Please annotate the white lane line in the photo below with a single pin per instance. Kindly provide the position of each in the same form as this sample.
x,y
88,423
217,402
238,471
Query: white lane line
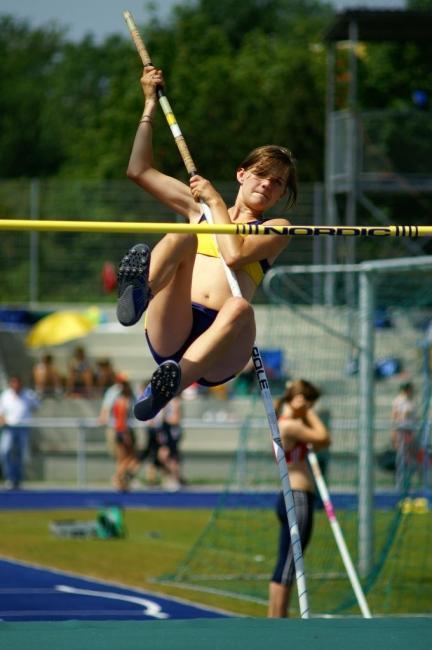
x,y
151,608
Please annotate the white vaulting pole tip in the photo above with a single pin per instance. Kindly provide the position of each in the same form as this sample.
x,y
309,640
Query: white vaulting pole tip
x,y
129,20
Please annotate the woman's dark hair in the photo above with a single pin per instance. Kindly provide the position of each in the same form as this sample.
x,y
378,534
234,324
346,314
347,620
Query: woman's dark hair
x,y
298,387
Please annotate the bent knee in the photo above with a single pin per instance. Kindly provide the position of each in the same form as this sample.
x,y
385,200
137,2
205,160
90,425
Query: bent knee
x,y
239,310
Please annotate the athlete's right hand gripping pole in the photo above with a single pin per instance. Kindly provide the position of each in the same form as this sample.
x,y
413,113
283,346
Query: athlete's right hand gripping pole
x,y
256,356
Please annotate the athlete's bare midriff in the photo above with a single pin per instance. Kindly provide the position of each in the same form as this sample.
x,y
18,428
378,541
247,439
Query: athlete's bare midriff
x,y
210,286
299,476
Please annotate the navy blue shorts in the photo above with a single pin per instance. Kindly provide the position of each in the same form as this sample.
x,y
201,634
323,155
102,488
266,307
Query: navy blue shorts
x,y
202,318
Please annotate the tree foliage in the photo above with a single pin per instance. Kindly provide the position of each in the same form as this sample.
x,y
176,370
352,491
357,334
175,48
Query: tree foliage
x,y
238,74
28,59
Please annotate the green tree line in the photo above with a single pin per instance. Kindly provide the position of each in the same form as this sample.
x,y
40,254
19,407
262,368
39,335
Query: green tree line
x,y
238,74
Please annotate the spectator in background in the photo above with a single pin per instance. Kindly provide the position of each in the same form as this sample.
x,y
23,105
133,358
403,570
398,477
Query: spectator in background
x,y
299,427
162,453
16,407
151,454
127,462
170,434
108,400
105,375
47,379
404,424
80,379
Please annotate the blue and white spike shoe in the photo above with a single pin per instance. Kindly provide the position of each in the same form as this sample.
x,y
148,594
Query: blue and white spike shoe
x,y
133,289
161,389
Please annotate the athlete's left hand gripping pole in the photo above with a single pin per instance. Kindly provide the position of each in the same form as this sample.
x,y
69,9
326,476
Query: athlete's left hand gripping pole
x,y
256,356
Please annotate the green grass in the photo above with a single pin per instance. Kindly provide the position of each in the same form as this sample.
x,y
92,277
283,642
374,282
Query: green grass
x,y
159,540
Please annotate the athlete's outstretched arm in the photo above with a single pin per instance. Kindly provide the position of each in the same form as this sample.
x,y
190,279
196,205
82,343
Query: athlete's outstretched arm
x,y
168,190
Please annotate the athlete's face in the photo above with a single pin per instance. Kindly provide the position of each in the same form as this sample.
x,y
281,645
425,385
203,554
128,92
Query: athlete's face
x,y
262,189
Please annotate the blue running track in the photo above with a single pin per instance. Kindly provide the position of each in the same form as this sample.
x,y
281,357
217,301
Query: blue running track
x,y
29,593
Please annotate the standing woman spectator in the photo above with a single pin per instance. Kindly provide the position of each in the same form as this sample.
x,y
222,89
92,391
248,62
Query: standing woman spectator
x,y
16,407
127,462
299,427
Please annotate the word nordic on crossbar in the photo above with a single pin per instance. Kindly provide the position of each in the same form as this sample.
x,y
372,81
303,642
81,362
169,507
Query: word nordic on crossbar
x,y
411,232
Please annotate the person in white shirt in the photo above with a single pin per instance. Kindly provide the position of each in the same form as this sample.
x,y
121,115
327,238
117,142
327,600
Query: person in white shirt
x,y
16,406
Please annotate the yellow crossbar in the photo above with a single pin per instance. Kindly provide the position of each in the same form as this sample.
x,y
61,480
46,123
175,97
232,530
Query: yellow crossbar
x,y
219,229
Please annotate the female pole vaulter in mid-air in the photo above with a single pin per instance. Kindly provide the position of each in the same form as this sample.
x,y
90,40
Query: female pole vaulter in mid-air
x,y
196,330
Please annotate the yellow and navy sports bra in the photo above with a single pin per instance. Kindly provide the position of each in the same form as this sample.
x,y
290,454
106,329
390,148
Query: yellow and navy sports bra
x,y
207,246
